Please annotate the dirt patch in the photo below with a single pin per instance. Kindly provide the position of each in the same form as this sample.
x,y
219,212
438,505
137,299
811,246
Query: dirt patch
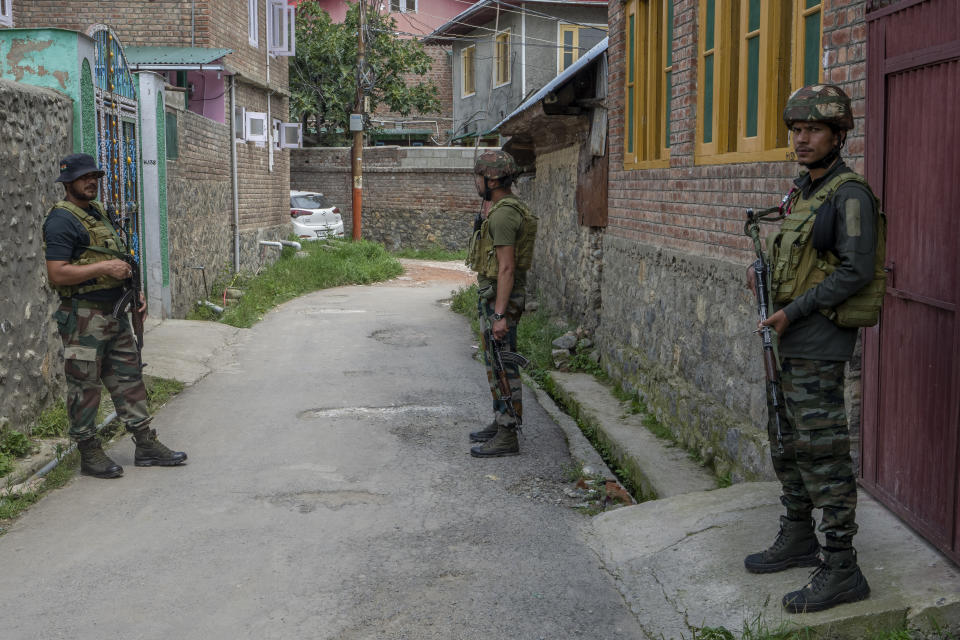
x,y
419,273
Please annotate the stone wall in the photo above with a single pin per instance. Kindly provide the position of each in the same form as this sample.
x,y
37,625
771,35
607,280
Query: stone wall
x,y
35,132
413,197
199,208
568,259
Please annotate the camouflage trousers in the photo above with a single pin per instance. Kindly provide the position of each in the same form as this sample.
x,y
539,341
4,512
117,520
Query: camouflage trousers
x,y
98,348
815,468
514,311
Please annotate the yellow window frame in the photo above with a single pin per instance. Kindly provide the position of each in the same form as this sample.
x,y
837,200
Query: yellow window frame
x,y
501,46
780,71
468,70
574,46
649,90
800,41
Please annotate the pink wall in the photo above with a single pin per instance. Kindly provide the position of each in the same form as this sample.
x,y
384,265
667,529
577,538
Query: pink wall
x,y
429,15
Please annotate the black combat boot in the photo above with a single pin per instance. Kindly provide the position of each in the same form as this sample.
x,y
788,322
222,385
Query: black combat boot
x,y
151,451
837,580
796,546
504,443
484,434
94,462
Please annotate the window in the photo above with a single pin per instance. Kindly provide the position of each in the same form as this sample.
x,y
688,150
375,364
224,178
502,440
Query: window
x,y
173,148
6,12
291,135
239,124
253,23
276,133
649,37
752,54
256,127
467,64
575,40
281,31
404,6
501,56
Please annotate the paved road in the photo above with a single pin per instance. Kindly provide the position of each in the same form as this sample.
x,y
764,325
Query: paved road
x,y
329,494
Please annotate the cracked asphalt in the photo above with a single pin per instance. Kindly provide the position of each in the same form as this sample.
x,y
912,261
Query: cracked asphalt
x,y
329,494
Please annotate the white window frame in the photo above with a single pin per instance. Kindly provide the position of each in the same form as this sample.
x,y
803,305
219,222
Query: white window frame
x,y
281,28
253,23
6,12
240,117
290,126
251,116
404,6
276,133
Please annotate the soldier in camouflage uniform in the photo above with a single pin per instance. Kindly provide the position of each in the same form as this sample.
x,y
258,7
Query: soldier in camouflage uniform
x,y
84,265
832,217
501,252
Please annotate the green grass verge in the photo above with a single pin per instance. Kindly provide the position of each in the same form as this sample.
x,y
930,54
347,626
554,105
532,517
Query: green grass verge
x,y
330,263
53,423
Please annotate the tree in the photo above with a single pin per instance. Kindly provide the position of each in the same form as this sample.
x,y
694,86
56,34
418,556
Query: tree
x,y
323,75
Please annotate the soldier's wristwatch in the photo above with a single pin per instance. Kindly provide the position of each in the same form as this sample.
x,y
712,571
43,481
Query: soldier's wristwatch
x,y
497,316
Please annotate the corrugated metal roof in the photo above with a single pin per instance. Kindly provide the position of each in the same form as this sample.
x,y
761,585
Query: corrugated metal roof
x,y
567,73
484,11
144,56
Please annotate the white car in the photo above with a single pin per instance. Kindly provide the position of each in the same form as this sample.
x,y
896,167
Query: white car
x,y
313,216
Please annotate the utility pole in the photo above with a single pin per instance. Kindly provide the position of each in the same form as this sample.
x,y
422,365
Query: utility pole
x,y
357,127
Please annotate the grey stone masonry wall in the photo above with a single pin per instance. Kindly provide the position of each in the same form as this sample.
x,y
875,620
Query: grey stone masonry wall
x,y
413,197
678,329
199,209
35,132
567,264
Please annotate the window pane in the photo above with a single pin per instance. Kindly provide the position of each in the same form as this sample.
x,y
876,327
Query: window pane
x,y
812,3
711,22
753,84
753,20
632,36
811,49
629,123
708,99
667,90
256,127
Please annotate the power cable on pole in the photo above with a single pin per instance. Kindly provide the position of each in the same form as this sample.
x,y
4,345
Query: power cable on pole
x,y
356,125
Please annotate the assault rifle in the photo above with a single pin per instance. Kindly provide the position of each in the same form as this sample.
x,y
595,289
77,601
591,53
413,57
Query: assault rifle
x,y
498,357
761,271
130,300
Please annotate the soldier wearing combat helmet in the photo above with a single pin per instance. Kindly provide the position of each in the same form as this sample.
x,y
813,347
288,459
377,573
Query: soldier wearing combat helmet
x,y
501,252
824,284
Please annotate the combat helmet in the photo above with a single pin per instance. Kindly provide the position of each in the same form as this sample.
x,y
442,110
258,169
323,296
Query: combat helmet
x,y
496,164
819,103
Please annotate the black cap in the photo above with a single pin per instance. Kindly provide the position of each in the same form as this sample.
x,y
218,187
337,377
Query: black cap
x,y
77,165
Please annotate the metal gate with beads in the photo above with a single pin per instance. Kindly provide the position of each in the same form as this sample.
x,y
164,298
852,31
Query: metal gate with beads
x,y
117,144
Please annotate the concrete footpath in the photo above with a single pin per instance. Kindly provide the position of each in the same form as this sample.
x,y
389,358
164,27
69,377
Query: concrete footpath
x,y
678,559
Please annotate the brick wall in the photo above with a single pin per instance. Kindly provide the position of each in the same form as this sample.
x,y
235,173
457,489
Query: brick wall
x,y
441,75
412,196
675,317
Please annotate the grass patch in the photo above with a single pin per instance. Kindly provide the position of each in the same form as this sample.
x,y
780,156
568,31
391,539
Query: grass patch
x,y
437,253
757,629
53,423
330,263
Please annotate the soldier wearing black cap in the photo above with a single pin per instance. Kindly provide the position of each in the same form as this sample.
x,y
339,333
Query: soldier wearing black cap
x,y
85,267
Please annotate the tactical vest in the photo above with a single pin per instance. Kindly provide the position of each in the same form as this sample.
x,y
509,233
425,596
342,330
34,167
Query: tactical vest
x,y
482,255
105,244
797,267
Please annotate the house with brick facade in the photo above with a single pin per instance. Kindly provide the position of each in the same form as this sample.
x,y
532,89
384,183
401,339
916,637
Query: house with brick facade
x,y
695,95
222,69
504,51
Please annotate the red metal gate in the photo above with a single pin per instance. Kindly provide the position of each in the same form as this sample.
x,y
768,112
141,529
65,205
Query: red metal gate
x,y
911,396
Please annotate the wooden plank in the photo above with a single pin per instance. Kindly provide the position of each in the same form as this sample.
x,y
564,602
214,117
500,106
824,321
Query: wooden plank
x,y
923,57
